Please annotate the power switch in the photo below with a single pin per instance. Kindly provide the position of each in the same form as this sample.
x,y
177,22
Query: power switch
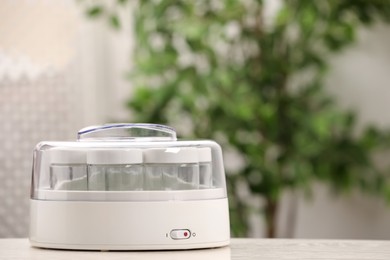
x,y
180,234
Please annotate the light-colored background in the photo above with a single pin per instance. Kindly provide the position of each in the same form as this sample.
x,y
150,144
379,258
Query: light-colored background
x,y
59,73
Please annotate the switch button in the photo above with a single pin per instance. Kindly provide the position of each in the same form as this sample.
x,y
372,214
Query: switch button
x,y
180,234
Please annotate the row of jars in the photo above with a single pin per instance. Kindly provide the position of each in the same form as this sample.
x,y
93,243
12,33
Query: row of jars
x,y
131,169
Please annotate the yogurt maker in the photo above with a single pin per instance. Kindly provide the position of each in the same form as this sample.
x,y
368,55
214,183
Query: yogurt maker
x,y
128,187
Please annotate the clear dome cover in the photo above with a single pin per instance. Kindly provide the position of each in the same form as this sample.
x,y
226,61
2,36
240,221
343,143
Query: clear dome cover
x,y
128,162
126,132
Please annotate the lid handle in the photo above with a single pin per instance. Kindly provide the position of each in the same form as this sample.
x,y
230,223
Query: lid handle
x,y
127,132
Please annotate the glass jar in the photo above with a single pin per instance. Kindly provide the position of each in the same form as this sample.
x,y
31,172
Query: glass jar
x,y
205,168
115,170
68,170
171,169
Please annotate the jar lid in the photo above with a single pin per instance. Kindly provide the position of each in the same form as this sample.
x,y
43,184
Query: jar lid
x,y
114,156
67,156
204,154
171,155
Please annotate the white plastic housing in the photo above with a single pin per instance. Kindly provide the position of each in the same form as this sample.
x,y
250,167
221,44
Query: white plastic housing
x,y
128,187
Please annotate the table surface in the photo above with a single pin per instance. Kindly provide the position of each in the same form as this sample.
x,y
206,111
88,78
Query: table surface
x,y
259,249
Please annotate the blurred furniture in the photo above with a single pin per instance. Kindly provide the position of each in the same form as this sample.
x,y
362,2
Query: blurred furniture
x,y
239,249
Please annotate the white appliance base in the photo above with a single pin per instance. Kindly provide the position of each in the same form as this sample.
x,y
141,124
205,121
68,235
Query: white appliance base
x,y
150,225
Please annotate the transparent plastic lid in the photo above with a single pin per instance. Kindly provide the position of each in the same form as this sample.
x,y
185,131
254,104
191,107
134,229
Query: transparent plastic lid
x,y
126,132
128,162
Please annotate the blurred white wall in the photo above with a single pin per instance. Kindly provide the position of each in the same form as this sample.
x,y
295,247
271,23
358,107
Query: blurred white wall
x,y
59,72
360,80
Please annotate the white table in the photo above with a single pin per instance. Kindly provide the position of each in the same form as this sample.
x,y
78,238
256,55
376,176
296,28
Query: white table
x,y
259,249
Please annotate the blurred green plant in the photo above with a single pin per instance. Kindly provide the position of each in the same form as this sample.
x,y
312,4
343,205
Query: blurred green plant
x,y
250,75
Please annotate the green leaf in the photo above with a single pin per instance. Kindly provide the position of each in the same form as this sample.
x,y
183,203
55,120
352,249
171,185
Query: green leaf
x,y
122,2
191,28
114,21
95,11
283,16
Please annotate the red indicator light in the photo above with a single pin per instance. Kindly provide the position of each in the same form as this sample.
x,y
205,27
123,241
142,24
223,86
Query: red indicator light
x,y
185,234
